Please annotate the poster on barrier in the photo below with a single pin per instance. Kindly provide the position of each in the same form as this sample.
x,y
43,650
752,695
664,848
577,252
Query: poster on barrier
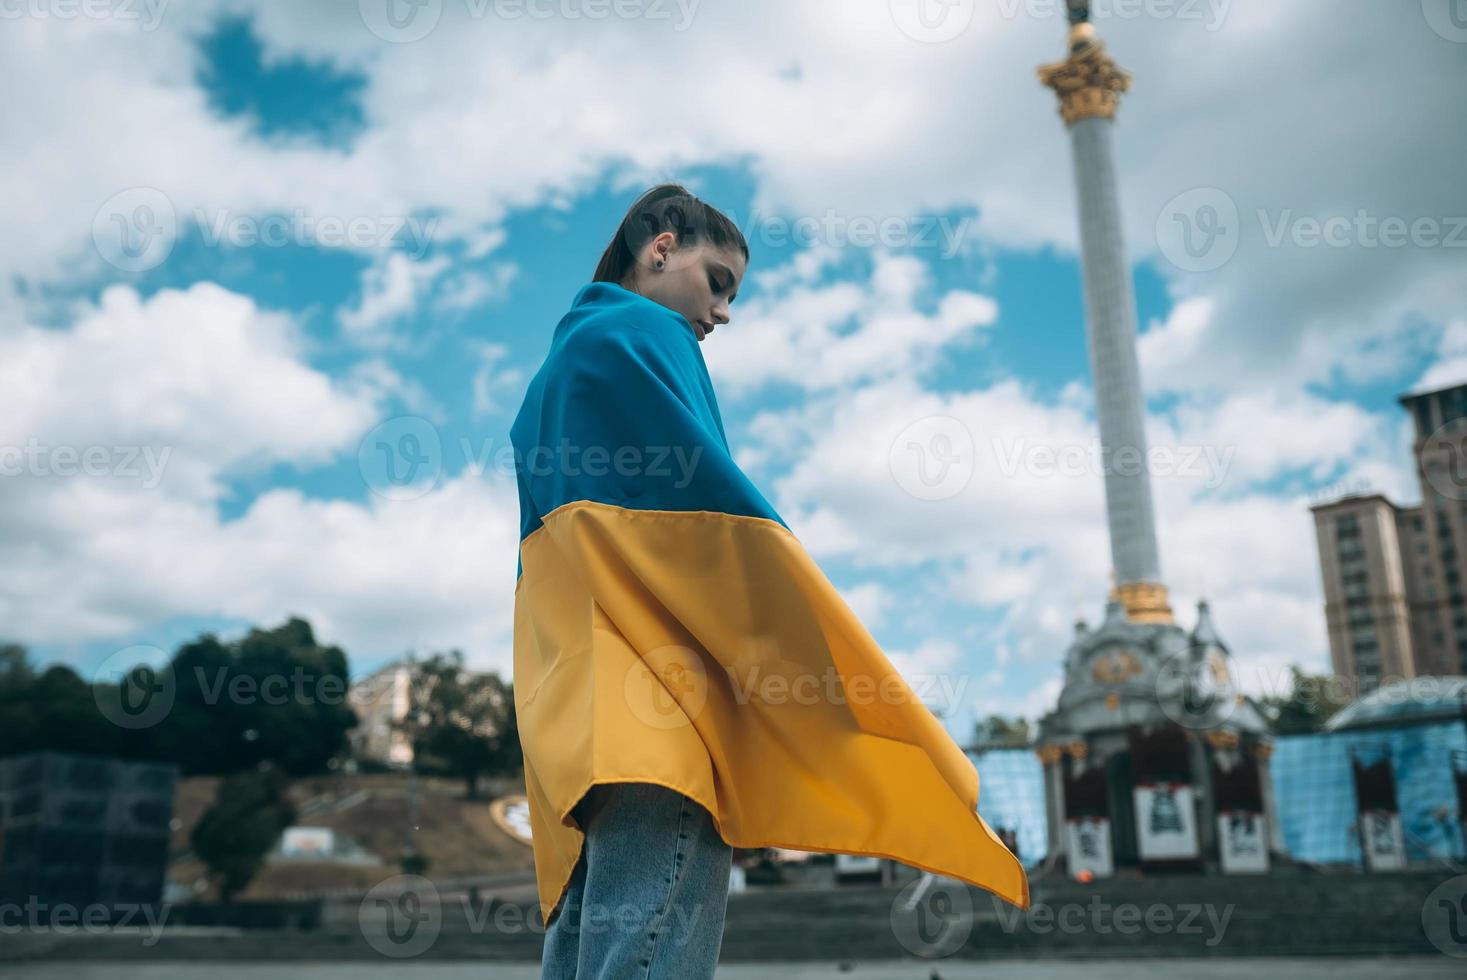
x,y
307,842
1382,841
1166,821
1089,840
1242,842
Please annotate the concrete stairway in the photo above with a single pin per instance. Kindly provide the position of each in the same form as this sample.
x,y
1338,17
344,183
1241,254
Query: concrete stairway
x,y
1279,915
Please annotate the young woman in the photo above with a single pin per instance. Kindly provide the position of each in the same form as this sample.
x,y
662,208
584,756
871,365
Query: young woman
x,y
686,679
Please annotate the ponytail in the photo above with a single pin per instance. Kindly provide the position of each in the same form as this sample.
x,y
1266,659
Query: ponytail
x,y
666,207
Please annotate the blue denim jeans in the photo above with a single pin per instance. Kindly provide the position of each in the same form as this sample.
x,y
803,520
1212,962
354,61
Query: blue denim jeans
x,y
647,897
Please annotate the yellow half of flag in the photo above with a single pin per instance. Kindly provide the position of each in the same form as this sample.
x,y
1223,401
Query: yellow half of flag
x,y
670,628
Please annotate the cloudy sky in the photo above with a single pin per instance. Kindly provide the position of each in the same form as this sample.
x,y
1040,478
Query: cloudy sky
x,y
248,245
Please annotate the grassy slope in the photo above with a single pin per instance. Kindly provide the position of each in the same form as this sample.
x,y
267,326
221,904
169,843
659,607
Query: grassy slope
x,y
457,835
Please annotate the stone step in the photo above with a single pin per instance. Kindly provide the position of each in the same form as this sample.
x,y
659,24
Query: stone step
x,y
1316,915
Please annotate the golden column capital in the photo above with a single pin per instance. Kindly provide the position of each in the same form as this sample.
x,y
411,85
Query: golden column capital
x,y
1089,83
1144,602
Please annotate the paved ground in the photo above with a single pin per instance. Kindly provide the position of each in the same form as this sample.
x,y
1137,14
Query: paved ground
x,y
1400,968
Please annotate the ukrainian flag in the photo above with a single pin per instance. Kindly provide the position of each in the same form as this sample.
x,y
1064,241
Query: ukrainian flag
x,y
669,628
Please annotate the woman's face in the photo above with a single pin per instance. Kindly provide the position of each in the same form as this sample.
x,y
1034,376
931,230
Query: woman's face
x,y
698,282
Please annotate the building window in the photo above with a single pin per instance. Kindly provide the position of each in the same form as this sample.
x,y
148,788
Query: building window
x,y
1363,636
1423,416
1454,404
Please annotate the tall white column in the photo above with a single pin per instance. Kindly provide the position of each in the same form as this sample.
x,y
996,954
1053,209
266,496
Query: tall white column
x,y
1110,317
1089,85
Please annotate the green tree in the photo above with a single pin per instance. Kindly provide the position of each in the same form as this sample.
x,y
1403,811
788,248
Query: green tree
x,y
52,709
996,731
19,720
15,666
273,696
1312,700
238,831
462,722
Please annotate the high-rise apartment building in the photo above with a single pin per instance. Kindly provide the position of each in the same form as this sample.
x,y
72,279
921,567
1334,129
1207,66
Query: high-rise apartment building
x,y
1395,603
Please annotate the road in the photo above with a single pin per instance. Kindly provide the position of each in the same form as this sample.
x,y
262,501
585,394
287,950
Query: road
x,y
1354,968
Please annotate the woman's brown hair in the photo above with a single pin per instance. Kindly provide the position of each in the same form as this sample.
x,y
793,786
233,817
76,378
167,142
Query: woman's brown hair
x,y
666,207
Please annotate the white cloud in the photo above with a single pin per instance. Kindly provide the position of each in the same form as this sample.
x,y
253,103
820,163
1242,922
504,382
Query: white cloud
x,y
1026,537
105,561
202,374
1451,366
863,128
390,290
1254,437
470,288
932,670
1034,702
491,378
806,267
822,337
208,385
1167,349
870,601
